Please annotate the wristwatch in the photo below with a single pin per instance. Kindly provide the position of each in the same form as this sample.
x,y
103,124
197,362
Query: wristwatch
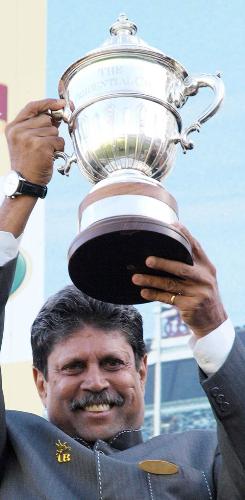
x,y
15,185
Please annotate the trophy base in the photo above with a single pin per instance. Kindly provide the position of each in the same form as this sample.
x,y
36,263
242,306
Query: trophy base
x,y
103,257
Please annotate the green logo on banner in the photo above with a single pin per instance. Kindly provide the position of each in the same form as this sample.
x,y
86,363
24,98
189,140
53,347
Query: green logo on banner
x,y
19,273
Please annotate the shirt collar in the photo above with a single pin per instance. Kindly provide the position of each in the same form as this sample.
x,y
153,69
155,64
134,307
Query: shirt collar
x,y
126,439
122,441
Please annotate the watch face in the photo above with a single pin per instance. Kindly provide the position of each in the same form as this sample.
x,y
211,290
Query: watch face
x,y
11,183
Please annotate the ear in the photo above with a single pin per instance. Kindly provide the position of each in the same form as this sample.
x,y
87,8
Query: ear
x,y
143,370
41,384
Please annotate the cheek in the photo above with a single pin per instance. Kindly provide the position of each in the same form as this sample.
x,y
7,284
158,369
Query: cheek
x,y
128,383
62,389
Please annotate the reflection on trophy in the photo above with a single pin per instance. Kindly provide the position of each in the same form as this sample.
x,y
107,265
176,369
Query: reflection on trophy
x,y
122,103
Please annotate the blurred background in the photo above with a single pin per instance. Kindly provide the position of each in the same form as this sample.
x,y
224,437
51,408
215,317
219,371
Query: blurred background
x,y
46,36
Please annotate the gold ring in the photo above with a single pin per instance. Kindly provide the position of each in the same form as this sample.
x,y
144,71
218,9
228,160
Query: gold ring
x,y
172,300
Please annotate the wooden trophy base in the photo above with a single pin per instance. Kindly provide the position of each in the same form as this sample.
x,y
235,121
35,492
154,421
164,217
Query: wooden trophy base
x,y
103,257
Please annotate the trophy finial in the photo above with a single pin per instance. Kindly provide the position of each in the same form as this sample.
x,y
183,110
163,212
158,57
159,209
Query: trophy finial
x,y
123,25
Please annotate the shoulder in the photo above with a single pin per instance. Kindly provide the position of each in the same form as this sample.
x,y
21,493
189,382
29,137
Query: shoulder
x,y
23,422
22,416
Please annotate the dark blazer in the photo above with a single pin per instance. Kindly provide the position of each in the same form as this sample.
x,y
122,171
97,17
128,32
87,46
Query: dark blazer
x,y
39,461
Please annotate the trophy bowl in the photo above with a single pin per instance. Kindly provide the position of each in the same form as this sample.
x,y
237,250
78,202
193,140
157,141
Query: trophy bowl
x,y
122,110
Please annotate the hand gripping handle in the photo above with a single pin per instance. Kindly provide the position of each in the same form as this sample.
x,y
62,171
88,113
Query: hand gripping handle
x,y
192,85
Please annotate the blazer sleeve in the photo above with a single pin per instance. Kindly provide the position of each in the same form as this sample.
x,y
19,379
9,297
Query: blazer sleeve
x,y
226,393
6,279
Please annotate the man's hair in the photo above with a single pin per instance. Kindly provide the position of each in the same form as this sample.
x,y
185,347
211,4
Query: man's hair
x,y
70,310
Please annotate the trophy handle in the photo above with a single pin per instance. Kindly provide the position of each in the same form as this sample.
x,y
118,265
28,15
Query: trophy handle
x,y
192,85
58,116
65,169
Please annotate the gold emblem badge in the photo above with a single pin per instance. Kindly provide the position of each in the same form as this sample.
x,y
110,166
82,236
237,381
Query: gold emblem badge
x,y
62,454
158,467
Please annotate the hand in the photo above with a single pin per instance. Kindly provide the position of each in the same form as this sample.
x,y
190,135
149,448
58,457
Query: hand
x,y
195,288
33,139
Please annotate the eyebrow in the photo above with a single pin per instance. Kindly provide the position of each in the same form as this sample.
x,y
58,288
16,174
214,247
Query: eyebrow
x,y
76,359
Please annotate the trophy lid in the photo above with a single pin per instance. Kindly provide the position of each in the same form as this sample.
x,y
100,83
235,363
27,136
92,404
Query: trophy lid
x,y
124,40
123,34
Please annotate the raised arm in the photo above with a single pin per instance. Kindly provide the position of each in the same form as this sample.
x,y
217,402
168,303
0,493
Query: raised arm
x,y
32,141
194,291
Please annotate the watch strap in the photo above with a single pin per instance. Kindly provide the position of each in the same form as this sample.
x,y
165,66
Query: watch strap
x,y
26,187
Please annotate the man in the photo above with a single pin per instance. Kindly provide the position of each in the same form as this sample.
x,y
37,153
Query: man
x,y
90,370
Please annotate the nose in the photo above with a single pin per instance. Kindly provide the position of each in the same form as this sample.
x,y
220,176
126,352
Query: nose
x,y
94,380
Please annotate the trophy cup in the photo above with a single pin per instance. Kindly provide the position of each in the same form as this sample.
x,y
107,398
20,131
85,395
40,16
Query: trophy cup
x,y
122,103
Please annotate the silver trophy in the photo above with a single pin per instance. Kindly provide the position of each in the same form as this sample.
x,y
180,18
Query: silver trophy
x,y
122,110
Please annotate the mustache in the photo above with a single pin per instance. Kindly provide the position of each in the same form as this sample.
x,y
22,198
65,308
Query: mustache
x,y
96,398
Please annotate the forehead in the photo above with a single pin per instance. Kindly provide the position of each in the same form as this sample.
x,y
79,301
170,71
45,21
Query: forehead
x,y
92,340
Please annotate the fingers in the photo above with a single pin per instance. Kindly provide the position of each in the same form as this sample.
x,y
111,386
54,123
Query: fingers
x,y
161,296
184,280
30,137
158,295
39,126
46,144
20,131
179,269
46,132
42,120
59,144
35,108
169,285
50,131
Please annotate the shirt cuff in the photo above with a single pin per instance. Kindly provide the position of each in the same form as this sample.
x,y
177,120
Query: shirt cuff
x,y
212,350
9,247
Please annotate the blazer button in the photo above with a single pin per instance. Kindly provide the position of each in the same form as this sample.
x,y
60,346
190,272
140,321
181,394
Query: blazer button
x,y
224,406
220,398
214,391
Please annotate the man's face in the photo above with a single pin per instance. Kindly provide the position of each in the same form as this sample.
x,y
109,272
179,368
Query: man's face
x,y
100,365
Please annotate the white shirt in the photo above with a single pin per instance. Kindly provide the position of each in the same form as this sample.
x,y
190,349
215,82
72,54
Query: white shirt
x,y
210,351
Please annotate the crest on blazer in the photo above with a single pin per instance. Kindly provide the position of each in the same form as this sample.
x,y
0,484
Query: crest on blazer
x,y
63,454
